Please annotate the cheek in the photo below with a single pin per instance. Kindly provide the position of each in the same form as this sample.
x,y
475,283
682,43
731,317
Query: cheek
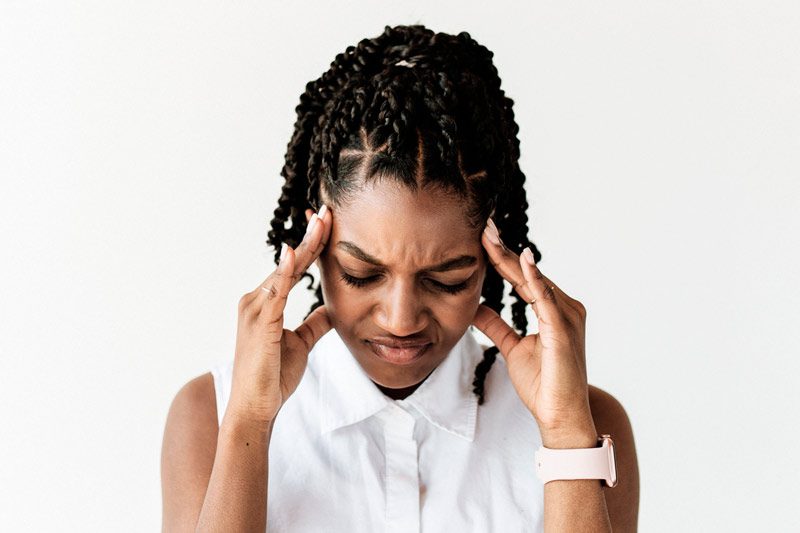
x,y
462,309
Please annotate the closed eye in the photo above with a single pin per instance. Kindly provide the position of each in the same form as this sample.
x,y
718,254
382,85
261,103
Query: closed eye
x,y
363,282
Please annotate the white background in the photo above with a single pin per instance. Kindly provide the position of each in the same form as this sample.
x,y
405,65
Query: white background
x,y
140,150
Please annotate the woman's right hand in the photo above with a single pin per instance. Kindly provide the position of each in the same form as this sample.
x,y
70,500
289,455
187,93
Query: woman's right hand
x,y
270,360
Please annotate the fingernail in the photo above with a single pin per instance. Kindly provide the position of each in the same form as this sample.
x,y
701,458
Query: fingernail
x,y
322,211
284,247
491,232
528,255
311,223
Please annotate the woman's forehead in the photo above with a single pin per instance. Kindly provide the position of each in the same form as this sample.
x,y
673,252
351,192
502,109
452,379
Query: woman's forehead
x,y
398,226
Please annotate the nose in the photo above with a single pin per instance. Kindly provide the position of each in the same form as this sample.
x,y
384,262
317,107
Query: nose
x,y
402,312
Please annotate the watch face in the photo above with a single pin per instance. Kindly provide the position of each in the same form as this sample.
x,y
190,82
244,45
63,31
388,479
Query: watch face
x,y
612,460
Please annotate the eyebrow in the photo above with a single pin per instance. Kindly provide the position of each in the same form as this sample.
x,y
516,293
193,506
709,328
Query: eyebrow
x,y
451,264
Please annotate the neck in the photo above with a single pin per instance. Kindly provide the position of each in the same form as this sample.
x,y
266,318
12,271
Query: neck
x,y
402,393
398,394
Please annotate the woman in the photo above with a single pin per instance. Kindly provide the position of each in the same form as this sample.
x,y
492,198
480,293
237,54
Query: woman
x,y
381,411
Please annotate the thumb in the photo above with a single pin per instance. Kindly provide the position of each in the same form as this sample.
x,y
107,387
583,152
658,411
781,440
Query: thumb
x,y
501,334
314,327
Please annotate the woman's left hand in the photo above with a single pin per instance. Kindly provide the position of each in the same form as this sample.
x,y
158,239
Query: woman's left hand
x,y
548,368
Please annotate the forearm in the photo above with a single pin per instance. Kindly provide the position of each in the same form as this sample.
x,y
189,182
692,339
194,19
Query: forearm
x,y
236,499
574,505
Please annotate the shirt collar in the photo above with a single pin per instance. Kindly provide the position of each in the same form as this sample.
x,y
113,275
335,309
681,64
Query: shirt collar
x,y
445,398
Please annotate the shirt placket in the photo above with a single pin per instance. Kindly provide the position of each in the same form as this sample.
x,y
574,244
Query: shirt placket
x,y
402,471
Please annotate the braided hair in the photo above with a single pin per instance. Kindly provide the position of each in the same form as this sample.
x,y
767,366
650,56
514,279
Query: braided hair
x,y
422,108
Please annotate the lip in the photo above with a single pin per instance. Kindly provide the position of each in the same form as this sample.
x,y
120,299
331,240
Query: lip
x,y
402,354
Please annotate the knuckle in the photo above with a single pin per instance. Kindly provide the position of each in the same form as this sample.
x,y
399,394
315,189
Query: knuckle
x,y
549,294
493,321
272,292
276,325
506,336
572,317
244,302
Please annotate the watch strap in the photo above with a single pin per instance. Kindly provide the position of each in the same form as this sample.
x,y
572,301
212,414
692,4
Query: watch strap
x,y
580,463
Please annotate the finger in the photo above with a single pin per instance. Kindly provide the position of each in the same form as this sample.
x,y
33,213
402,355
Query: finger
x,y
310,247
326,215
306,252
507,263
314,327
276,290
504,261
570,308
545,305
561,296
555,307
493,326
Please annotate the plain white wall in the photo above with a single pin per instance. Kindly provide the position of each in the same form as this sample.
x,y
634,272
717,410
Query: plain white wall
x,y
140,150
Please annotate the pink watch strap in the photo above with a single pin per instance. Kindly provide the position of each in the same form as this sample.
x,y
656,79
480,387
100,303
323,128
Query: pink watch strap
x,y
581,463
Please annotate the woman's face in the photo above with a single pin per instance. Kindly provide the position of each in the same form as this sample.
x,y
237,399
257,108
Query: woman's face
x,y
424,290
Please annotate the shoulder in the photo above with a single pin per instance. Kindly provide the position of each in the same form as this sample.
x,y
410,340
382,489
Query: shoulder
x,y
187,451
611,418
196,401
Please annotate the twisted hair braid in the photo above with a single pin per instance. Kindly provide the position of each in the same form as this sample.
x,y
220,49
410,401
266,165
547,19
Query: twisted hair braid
x,y
444,122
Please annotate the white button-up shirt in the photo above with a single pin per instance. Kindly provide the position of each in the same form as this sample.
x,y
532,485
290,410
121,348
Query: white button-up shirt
x,y
345,457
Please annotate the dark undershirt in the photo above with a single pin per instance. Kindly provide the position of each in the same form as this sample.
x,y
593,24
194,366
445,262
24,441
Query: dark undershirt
x,y
403,393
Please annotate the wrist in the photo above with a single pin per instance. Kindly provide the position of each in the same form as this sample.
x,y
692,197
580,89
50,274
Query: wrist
x,y
244,427
578,436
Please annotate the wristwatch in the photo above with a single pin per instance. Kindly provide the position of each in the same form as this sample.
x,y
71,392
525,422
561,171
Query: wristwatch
x,y
579,463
